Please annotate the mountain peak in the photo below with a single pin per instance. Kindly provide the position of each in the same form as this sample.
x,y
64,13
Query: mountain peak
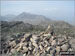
x,y
23,14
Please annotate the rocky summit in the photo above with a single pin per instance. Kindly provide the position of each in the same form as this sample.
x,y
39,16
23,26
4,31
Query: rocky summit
x,y
46,43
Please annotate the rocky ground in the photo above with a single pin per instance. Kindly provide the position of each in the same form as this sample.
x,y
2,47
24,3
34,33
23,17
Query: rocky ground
x,y
47,43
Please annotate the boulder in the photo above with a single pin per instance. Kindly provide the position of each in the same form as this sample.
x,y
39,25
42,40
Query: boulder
x,y
24,54
22,39
32,40
34,37
43,54
17,41
40,47
38,54
41,51
25,49
11,39
72,42
46,35
18,49
52,49
35,45
42,33
52,52
29,48
45,45
46,42
49,54
12,51
30,43
61,39
35,51
70,49
21,44
26,35
57,49
53,43
28,38
48,29
51,39
48,50
13,43
64,47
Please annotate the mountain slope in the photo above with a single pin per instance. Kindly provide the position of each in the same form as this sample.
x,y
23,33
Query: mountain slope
x,y
30,18
37,20
8,17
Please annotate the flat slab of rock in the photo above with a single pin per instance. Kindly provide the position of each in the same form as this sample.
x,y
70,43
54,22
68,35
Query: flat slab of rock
x,y
64,47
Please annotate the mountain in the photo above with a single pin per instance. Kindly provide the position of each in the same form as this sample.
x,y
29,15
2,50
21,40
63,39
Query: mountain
x,y
30,18
37,20
8,17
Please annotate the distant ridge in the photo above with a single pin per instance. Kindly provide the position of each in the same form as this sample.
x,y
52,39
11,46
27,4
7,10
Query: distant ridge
x,y
36,20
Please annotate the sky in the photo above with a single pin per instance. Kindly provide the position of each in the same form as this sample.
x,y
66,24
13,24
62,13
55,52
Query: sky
x,y
56,10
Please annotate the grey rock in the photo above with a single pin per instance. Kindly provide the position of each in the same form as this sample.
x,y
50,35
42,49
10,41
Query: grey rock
x,y
64,47
43,54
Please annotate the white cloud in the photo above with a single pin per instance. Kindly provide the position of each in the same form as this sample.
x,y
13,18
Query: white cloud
x,y
50,9
28,11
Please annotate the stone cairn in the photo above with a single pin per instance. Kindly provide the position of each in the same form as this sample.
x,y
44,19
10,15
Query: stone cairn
x,y
44,44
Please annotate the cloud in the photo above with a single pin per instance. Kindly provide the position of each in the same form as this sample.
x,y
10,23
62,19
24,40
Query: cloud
x,y
50,9
28,11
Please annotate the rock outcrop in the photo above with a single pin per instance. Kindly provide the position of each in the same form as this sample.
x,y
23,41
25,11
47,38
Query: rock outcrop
x,y
43,44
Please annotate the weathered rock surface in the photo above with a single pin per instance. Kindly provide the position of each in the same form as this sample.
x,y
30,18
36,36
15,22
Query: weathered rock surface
x,y
43,44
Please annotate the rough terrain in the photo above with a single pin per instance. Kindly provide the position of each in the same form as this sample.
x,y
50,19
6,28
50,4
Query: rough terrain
x,y
46,43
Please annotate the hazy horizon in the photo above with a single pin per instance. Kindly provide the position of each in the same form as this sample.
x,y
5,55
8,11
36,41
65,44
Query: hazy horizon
x,y
56,10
